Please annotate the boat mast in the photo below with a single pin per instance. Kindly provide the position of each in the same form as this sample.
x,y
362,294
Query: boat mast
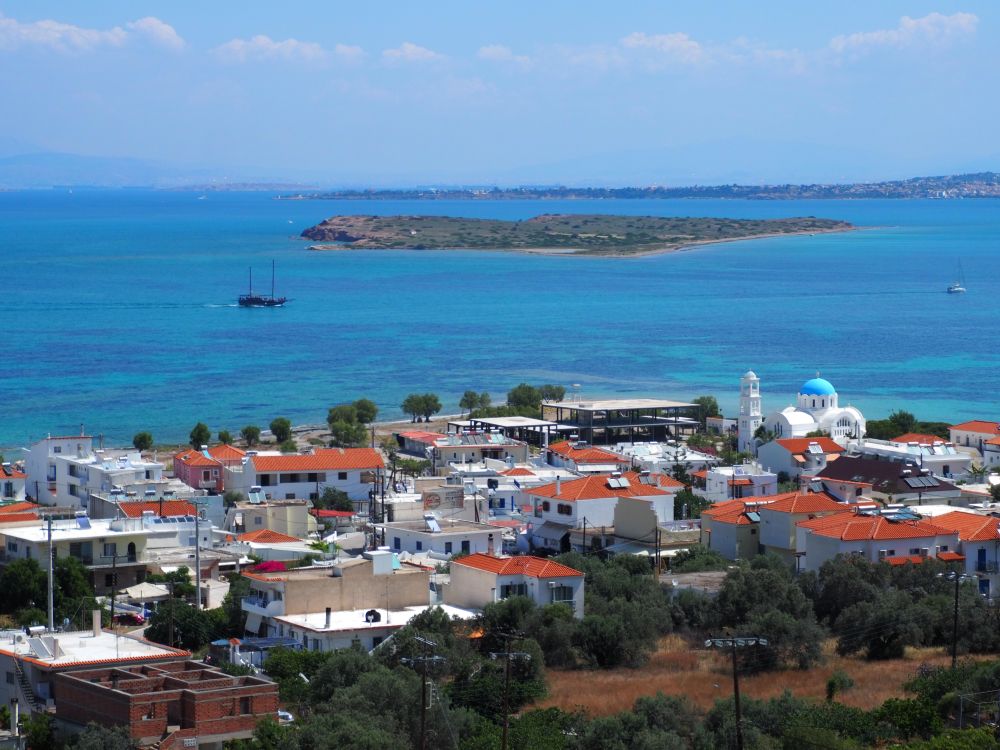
x,y
272,278
251,280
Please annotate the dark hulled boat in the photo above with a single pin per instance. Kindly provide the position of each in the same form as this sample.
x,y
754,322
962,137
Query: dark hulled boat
x,y
260,300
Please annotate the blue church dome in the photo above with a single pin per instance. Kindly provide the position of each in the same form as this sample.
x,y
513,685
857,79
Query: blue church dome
x,y
817,387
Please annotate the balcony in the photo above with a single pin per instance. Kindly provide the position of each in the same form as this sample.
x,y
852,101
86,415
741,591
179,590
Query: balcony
x,y
987,566
263,606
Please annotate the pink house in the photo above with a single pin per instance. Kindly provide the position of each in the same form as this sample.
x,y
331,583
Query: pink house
x,y
203,469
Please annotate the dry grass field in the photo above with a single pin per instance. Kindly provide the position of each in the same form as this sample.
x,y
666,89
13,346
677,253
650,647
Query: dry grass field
x,y
704,675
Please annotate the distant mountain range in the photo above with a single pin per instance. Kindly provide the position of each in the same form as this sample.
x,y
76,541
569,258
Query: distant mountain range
x,y
976,185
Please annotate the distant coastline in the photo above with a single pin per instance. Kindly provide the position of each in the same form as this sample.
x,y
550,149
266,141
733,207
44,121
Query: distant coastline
x,y
552,234
976,185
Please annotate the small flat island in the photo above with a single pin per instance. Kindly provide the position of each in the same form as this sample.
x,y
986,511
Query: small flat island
x,y
557,234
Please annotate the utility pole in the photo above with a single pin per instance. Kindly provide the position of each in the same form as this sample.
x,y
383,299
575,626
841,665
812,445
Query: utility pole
x,y
114,580
957,578
732,644
423,661
51,607
507,655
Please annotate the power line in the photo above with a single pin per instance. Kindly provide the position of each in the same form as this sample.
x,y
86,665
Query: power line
x,y
732,644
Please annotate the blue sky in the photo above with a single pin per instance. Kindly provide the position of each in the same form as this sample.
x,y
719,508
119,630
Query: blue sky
x,y
382,93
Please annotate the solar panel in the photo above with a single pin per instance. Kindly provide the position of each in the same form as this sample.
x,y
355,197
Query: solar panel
x,y
432,523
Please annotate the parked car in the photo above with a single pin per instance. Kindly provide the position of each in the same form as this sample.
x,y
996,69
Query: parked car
x,y
129,618
284,717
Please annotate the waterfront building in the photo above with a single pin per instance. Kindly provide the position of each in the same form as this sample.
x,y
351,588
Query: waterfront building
x,y
12,483
975,433
355,471
818,409
608,421
204,469
581,458
64,471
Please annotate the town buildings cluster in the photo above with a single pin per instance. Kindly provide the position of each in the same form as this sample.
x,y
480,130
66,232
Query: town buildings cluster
x,y
498,498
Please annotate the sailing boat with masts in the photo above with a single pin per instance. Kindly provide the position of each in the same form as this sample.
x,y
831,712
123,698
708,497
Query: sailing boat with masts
x,y
958,287
261,300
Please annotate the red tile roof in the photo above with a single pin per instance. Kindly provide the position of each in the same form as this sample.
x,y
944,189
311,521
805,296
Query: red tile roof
x,y
949,556
517,472
18,517
324,459
422,436
971,527
168,509
851,527
978,425
20,507
324,513
586,454
596,487
918,437
191,457
266,536
801,445
665,480
526,565
904,559
802,502
224,452
11,473
733,511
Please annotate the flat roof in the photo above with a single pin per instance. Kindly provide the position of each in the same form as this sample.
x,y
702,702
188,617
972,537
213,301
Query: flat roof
x,y
97,530
618,403
83,647
447,526
354,619
514,422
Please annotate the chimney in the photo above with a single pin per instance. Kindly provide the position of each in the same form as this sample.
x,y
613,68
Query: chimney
x,y
95,619
558,484
489,546
329,611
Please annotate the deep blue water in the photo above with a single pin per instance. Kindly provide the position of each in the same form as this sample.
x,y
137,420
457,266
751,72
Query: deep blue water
x,y
118,312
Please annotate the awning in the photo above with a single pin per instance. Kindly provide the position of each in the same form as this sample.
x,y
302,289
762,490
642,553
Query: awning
x,y
550,533
253,623
147,592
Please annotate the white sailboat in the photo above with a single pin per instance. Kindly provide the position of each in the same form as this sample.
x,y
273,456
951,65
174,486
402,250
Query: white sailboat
x,y
958,287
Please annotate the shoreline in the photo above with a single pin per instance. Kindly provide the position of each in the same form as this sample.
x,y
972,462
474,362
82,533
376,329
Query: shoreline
x,y
569,252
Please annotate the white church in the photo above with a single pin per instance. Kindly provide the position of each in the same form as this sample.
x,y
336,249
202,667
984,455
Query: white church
x,y
817,409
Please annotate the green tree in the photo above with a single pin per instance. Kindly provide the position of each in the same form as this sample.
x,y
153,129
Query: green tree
x,y
97,737
689,505
431,405
281,428
413,405
225,437
342,413
524,396
705,407
289,446
73,597
250,435
549,392
23,584
469,401
334,499
178,581
142,441
192,628
200,435
995,492
231,497
347,434
39,732
366,410
484,401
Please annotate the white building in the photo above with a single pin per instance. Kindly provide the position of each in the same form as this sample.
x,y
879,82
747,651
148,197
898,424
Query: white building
x,y
63,471
798,456
444,537
663,457
733,482
751,416
581,458
818,409
940,457
477,580
286,476
974,434
12,484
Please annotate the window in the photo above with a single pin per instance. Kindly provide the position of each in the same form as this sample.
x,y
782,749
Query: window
x,y
396,543
342,476
11,546
110,549
562,594
545,505
914,550
109,580
205,475
10,678
447,548
58,448
564,509
513,589
289,496
258,521
420,546
466,547
944,547
244,705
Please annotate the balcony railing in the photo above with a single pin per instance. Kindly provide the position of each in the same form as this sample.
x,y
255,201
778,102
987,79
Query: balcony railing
x,y
263,606
987,566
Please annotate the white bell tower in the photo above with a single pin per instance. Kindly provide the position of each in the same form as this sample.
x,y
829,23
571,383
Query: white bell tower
x,y
751,412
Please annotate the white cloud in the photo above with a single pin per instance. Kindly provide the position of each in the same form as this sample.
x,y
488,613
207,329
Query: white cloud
x,y
934,28
675,47
410,52
500,54
263,47
348,52
158,32
65,37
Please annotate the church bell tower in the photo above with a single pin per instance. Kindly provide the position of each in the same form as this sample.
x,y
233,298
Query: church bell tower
x,y
751,415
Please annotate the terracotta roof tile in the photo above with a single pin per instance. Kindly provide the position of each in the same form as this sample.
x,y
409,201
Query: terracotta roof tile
x,y
324,459
852,527
168,509
596,487
918,437
20,507
517,472
223,452
903,560
586,454
9,472
971,527
267,536
803,502
191,457
533,567
801,445
978,425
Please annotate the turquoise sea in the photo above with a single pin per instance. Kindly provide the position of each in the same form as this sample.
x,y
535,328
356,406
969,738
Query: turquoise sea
x,y
118,312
